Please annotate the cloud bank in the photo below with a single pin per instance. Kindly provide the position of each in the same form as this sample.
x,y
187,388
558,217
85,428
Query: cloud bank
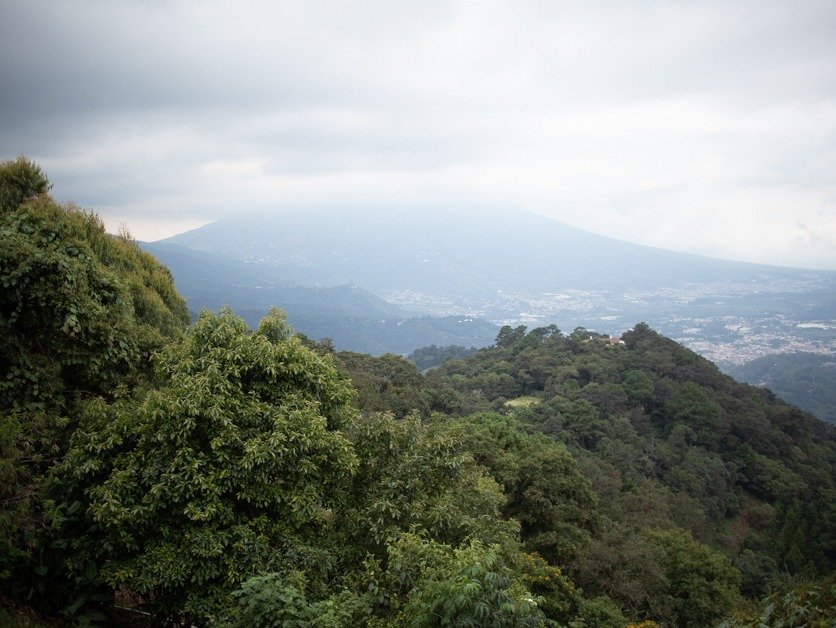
x,y
704,127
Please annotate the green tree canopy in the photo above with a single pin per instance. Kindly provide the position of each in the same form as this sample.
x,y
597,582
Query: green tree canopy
x,y
553,502
701,582
81,311
415,475
228,469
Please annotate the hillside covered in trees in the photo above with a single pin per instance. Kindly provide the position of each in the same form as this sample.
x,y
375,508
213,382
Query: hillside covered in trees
x,y
807,380
664,440
216,474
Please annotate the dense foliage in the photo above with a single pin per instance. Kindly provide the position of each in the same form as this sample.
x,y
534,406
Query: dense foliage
x,y
81,312
219,475
654,417
228,465
807,605
679,456
388,383
427,357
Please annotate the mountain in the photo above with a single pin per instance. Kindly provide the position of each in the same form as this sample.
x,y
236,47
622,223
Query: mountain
x,y
471,251
354,318
210,281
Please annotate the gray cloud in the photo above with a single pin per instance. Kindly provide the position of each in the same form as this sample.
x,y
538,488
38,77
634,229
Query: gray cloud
x,y
707,127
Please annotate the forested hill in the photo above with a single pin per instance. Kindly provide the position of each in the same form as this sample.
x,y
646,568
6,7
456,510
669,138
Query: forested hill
x,y
665,439
157,472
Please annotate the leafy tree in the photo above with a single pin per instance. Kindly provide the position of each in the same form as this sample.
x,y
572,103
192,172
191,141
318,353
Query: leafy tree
x,y
692,405
227,470
664,575
274,600
472,585
701,582
756,573
20,180
387,383
552,501
561,601
638,385
806,604
81,311
624,565
573,420
803,532
417,476
428,357
509,336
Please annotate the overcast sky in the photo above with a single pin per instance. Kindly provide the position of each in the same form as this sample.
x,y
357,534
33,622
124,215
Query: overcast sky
x,y
707,127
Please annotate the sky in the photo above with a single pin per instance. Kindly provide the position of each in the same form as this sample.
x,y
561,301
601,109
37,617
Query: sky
x,y
706,127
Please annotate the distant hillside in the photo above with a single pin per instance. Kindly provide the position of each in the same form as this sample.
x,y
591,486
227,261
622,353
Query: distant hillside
x,y
352,317
806,380
209,280
394,335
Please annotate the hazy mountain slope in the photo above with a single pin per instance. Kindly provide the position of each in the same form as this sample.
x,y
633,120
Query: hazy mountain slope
x,y
804,379
393,335
209,280
467,251
353,318
512,266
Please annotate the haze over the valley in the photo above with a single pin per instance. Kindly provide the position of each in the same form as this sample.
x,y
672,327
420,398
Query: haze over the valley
x,y
705,127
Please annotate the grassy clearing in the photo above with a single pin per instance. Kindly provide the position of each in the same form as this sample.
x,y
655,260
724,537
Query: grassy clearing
x,y
522,402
